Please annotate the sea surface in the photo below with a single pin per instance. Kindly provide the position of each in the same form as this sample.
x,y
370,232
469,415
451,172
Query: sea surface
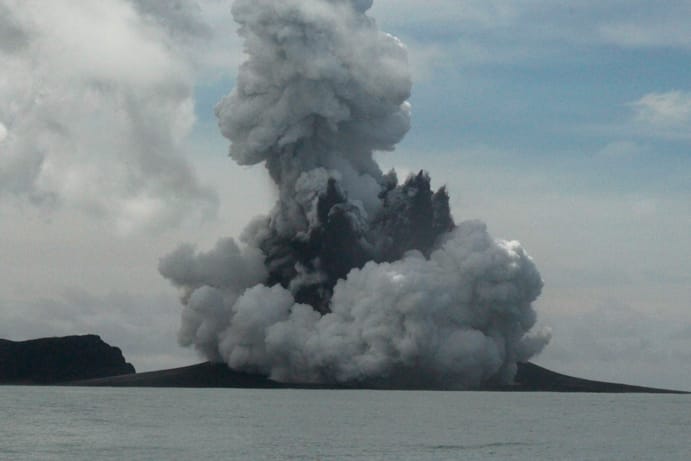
x,y
62,423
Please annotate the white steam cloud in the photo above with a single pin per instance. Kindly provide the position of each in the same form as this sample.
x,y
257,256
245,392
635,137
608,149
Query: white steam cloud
x,y
353,277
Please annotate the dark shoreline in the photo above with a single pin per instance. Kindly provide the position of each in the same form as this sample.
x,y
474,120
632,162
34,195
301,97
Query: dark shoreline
x,y
530,378
87,360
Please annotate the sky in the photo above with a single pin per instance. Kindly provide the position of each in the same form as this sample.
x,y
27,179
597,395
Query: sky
x,y
566,127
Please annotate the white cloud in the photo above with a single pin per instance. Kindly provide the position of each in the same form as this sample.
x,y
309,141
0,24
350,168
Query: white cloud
x,y
181,19
98,99
663,114
666,110
655,116
3,132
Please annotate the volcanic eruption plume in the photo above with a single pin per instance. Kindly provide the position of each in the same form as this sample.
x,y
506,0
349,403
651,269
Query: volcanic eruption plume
x,y
353,277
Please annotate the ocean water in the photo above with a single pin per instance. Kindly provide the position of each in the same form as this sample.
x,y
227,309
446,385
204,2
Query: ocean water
x,y
60,423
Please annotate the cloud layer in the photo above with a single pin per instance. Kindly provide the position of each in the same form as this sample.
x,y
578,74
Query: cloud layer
x,y
95,102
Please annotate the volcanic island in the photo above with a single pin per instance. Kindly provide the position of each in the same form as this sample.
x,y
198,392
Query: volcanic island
x,y
87,360
354,279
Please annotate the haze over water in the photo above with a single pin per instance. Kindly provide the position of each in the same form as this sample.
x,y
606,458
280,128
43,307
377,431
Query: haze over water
x,y
55,423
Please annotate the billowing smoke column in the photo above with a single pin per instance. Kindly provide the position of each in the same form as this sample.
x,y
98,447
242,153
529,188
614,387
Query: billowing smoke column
x,y
353,277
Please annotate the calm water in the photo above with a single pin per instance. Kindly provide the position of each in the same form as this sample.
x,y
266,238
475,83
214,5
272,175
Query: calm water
x,y
53,423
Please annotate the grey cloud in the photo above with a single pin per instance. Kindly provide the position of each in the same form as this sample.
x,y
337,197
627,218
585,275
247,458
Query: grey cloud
x,y
182,19
13,37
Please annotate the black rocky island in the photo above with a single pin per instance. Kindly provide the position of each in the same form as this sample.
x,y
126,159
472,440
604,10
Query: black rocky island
x,y
58,360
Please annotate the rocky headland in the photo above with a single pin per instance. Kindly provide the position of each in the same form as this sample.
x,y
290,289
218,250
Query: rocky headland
x,y
59,360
